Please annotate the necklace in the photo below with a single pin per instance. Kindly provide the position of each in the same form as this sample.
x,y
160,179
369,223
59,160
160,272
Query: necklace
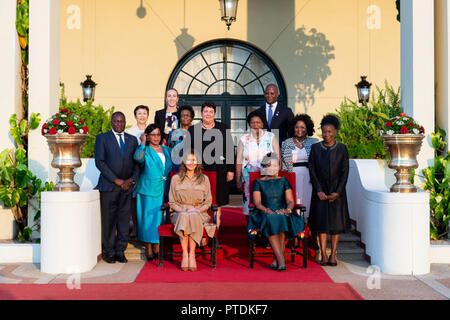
x,y
207,127
156,148
300,142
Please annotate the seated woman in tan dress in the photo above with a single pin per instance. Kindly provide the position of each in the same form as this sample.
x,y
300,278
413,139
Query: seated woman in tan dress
x,y
189,200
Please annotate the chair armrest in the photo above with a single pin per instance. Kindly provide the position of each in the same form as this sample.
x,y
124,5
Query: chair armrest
x,y
164,209
214,208
300,210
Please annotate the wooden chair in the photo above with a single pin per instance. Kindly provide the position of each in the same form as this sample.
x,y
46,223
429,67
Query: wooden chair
x,y
166,232
298,209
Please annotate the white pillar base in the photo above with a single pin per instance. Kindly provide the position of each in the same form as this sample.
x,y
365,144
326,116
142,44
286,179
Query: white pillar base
x,y
70,231
395,227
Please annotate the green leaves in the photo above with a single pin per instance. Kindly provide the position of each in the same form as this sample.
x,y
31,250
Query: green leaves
x,y
361,124
96,118
18,185
437,181
22,27
25,235
19,129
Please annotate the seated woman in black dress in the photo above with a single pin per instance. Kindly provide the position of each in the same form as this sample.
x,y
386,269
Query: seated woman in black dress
x,y
274,200
328,169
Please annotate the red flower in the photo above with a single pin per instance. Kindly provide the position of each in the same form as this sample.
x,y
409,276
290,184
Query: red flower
x,y
85,129
69,113
402,114
72,130
70,123
64,110
422,129
411,124
404,130
55,122
57,115
44,125
52,131
388,124
82,121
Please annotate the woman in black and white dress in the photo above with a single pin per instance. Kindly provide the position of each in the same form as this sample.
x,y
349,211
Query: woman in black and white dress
x,y
295,154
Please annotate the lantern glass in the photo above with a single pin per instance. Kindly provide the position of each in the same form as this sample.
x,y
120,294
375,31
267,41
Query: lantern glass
x,y
88,87
363,88
228,9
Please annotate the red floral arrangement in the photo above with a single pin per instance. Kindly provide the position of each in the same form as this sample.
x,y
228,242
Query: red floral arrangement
x,y
402,124
64,121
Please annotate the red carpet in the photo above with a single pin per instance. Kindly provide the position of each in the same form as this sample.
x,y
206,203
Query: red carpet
x,y
182,291
233,262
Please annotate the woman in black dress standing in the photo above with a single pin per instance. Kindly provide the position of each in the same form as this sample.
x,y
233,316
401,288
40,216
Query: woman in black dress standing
x,y
167,119
329,167
215,154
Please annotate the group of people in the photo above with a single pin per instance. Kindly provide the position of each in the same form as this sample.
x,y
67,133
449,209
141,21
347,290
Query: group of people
x,y
136,169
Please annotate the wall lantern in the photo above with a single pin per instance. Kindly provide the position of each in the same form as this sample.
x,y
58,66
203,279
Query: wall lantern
x,y
228,9
363,88
88,88
141,12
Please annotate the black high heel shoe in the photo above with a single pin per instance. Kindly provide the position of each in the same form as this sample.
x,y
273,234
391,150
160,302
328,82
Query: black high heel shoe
x,y
331,264
274,266
283,268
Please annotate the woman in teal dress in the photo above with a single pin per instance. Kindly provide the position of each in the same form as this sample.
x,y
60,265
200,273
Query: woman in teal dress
x,y
274,200
151,187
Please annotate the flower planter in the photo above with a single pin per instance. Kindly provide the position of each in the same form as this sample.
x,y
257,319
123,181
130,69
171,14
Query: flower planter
x,y
66,149
403,150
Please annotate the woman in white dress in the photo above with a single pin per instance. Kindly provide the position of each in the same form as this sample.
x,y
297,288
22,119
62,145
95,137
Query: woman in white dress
x,y
252,148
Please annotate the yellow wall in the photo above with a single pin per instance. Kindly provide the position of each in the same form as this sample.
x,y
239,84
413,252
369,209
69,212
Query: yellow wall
x,y
131,58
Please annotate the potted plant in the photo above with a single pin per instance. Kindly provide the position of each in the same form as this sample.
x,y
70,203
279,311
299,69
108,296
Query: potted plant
x,y
66,133
403,137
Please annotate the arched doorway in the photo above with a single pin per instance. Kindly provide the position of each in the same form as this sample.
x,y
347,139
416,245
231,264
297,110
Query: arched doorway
x,y
231,73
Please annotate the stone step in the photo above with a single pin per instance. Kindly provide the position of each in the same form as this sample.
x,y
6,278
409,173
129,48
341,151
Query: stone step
x,y
135,251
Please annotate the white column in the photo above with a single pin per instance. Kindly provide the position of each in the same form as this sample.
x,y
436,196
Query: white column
x,y
10,97
417,69
44,88
442,37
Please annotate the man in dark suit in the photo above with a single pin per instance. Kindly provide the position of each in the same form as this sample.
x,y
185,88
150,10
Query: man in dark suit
x,y
114,151
275,115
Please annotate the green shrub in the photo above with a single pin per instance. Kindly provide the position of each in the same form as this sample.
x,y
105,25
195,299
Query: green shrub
x,y
361,123
96,118
18,185
437,182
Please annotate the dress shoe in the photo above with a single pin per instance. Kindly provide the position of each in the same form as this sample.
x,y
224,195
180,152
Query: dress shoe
x,y
274,266
331,264
109,259
121,258
150,257
192,269
324,263
283,268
